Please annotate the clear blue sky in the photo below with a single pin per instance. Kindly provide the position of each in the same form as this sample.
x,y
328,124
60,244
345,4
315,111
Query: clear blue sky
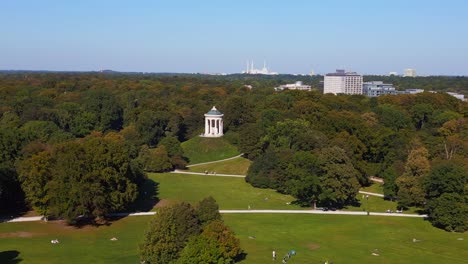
x,y
368,36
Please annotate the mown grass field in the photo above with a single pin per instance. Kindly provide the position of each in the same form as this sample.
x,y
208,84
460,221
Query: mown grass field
x,y
346,239
230,193
238,165
315,238
82,245
376,204
375,188
200,149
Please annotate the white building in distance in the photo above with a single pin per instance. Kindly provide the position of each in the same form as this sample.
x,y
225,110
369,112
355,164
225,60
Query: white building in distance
x,y
411,91
294,86
251,69
457,95
410,73
377,88
213,123
341,82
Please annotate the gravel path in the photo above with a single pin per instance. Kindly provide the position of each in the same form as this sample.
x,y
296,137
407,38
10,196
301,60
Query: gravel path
x,y
40,218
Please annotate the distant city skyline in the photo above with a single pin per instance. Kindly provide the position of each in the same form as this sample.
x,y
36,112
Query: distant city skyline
x,y
369,37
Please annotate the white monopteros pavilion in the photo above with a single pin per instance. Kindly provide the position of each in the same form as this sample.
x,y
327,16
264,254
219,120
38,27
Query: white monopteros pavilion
x,y
213,123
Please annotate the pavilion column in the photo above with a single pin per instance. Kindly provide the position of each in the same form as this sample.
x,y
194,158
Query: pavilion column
x,y
212,127
206,127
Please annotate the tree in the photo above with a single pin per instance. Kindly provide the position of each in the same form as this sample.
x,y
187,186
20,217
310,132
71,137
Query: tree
x,y
105,107
229,244
446,177
168,233
454,139
269,170
38,130
354,149
91,178
238,111
83,123
449,212
202,249
154,160
393,117
421,114
294,135
208,210
339,183
250,140
174,151
390,188
410,184
303,180
151,126
11,142
159,160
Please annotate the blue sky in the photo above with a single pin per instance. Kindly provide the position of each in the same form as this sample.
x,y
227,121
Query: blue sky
x,y
367,36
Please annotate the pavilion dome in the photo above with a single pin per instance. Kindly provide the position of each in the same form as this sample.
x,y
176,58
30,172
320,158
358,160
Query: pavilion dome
x,y
214,111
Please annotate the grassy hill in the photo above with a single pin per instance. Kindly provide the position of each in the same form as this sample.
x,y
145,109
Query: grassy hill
x,y
238,165
200,149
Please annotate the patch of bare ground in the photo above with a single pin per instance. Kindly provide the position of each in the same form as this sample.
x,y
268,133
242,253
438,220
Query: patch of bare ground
x,y
18,234
164,202
62,224
313,246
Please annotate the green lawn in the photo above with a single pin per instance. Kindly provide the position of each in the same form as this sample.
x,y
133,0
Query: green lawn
x,y
85,245
230,193
341,239
346,239
376,204
374,188
200,149
235,166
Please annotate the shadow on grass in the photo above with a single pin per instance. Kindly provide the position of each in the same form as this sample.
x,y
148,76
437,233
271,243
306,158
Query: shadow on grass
x,y
147,198
242,256
16,210
10,257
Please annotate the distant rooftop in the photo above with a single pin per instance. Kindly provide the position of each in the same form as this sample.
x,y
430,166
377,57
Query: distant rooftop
x,y
342,73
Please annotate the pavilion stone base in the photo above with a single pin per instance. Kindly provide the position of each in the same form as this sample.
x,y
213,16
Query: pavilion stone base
x,y
211,136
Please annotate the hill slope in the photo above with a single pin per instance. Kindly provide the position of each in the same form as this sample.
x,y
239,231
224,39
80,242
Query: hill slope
x,y
200,149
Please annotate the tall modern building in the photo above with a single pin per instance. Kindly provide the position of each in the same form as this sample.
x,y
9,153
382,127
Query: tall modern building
x,y
410,73
377,88
342,82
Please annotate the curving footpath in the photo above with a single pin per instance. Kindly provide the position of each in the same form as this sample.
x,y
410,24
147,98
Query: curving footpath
x,y
208,174
372,194
40,218
215,161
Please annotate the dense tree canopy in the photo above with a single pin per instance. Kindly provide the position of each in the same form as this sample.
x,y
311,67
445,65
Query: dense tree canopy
x,y
168,233
89,177
284,133
181,234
